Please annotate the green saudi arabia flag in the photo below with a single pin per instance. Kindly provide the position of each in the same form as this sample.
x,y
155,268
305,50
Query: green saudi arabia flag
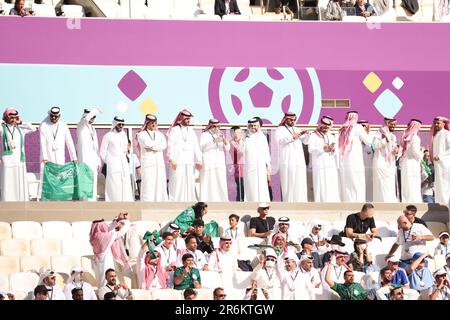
x,y
72,181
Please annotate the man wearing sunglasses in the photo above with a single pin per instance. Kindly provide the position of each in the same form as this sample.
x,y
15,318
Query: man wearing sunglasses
x,y
55,136
48,279
113,151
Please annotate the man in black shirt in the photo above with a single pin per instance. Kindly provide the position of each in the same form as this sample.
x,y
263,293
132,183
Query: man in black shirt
x,y
357,224
262,226
410,212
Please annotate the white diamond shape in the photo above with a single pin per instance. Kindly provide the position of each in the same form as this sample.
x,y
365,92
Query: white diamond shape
x,y
398,83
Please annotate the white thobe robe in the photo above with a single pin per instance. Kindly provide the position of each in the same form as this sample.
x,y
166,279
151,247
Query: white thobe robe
x,y
13,174
118,180
267,279
121,294
324,168
411,172
199,258
54,137
368,153
295,286
87,147
256,168
184,150
56,293
351,168
384,173
336,274
292,164
178,244
88,292
153,168
441,148
168,256
213,176
225,263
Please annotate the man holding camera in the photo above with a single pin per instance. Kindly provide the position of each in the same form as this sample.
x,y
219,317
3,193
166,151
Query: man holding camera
x,y
357,224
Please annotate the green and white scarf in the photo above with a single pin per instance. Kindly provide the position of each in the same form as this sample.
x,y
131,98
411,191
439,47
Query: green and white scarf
x,y
7,147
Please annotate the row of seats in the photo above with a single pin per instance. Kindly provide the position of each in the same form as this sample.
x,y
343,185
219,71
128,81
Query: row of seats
x,y
80,229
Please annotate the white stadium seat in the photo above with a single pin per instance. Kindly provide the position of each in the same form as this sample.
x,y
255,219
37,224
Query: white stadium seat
x,y
26,230
15,247
211,279
45,247
76,247
56,230
23,281
30,263
143,226
241,280
167,294
5,230
63,264
81,229
204,294
141,294
9,265
72,11
4,282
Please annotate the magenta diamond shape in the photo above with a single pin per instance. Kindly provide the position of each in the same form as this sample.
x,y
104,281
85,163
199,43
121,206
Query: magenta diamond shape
x,y
132,85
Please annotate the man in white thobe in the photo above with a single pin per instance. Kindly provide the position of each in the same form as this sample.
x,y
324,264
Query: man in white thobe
x,y
13,174
294,284
55,136
87,145
224,261
441,158
352,171
411,176
150,145
323,149
257,163
368,152
213,176
76,281
113,152
291,159
384,168
183,152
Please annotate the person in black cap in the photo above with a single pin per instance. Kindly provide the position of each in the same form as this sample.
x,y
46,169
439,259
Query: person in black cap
x,y
307,250
113,151
334,245
322,146
87,145
257,168
292,159
262,226
54,137
384,167
41,292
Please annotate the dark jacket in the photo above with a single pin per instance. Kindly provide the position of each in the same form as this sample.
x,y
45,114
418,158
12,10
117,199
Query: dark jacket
x,y
220,9
367,7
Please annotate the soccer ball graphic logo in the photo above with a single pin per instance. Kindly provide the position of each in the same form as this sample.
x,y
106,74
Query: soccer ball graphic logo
x,y
237,94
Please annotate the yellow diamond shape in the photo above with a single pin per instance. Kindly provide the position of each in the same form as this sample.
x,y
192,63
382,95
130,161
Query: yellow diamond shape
x,y
148,106
372,82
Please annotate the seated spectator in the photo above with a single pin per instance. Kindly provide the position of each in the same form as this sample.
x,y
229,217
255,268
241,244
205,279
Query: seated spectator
x,y
109,296
223,260
262,226
427,175
219,294
204,242
264,275
19,9
349,290
420,277
178,242
360,259
307,250
441,287
411,237
282,227
282,248
200,261
167,252
187,276
48,279
223,7
308,271
383,290
364,9
77,294
396,293
334,244
316,236
41,292
399,276
234,232
443,247
76,281
120,290
190,294
334,11
357,224
410,213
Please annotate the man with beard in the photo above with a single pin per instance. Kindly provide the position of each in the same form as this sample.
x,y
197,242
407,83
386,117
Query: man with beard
x,y
440,148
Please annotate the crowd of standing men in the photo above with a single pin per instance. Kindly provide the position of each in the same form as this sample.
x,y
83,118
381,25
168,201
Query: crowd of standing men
x,y
355,165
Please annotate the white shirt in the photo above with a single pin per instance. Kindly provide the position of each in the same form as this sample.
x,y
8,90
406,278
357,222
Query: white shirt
x,y
410,247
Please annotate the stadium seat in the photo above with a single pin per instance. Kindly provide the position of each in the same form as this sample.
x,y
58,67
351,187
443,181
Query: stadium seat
x,y
387,243
76,247
19,295
204,294
5,230
241,280
4,282
439,261
30,263
15,247
63,264
143,226
376,249
45,247
370,280
141,294
43,10
9,265
211,279
26,230
431,246
436,227
167,294
81,229
72,11
349,248
235,294
56,230
23,281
